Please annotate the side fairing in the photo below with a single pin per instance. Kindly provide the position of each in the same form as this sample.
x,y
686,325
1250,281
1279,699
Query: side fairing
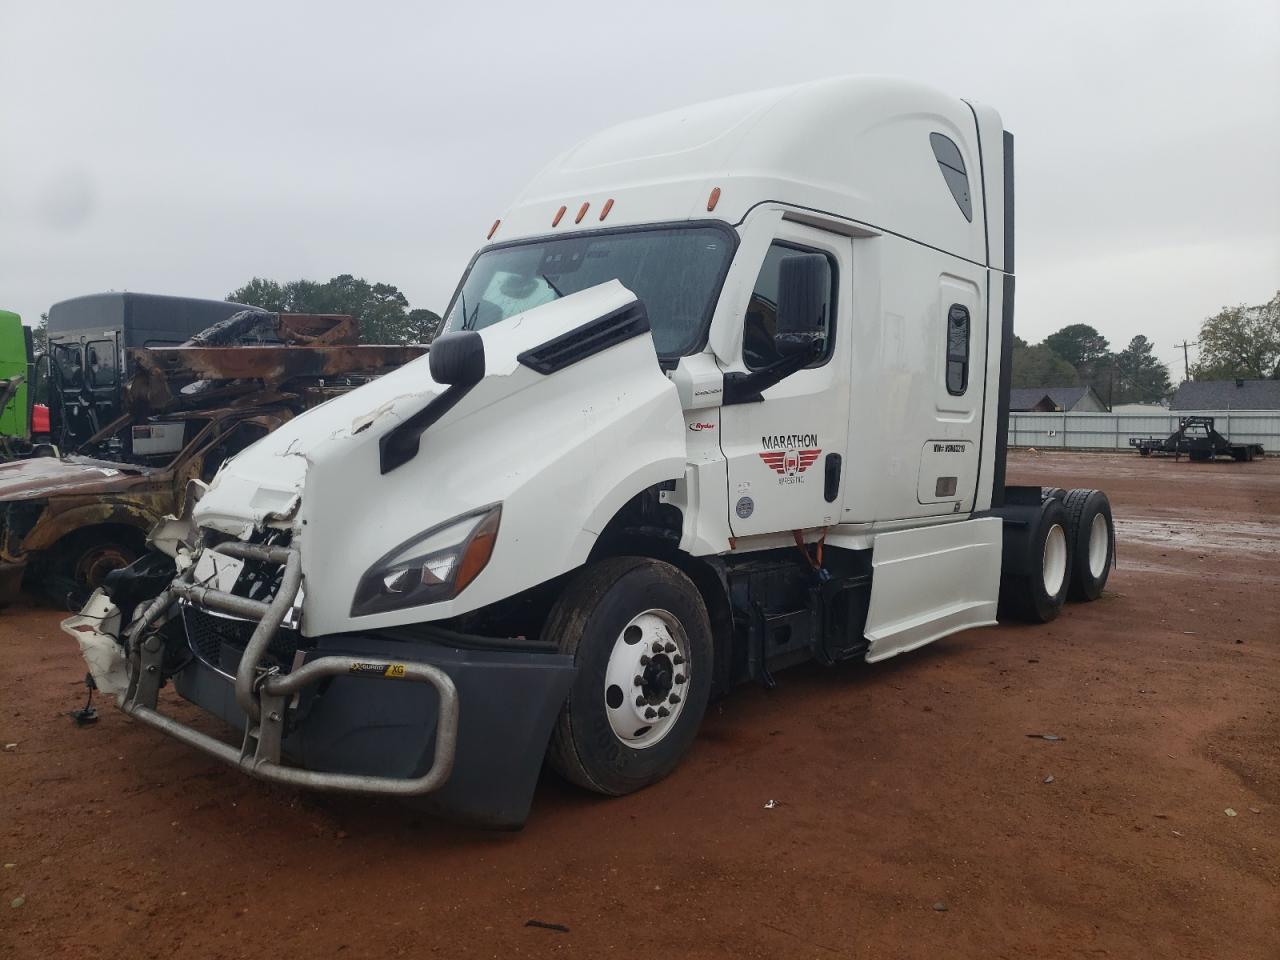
x,y
562,452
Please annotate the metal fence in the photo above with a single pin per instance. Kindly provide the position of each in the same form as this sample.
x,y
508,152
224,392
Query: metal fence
x,y
1111,431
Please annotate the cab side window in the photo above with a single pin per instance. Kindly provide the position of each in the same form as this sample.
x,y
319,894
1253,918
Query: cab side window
x,y
957,349
100,362
761,322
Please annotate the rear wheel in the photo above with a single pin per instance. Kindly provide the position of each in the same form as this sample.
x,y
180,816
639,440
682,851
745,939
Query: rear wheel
x,y
1091,532
1037,595
639,634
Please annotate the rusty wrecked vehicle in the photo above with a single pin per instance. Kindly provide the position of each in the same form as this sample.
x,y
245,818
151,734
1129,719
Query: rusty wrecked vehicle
x,y
69,519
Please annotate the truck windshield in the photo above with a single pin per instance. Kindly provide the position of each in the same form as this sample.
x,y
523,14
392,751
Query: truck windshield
x,y
675,271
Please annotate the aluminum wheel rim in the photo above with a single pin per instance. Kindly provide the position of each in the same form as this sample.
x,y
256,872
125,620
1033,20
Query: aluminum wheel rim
x,y
647,678
1054,566
1099,542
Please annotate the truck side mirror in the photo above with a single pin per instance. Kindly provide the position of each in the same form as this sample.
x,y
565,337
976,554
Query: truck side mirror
x,y
457,358
804,282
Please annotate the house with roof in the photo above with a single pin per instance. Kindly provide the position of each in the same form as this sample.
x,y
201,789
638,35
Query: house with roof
x,y
1055,400
1227,395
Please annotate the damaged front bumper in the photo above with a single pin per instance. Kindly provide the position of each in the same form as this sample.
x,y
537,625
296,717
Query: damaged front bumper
x,y
459,729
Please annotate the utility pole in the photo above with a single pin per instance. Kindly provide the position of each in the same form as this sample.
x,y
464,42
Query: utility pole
x,y
1186,362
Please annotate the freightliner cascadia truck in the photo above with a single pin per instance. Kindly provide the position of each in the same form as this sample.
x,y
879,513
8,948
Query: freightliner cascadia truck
x,y
724,390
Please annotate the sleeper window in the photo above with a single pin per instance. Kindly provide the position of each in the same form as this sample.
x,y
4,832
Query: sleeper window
x,y
761,322
951,164
957,349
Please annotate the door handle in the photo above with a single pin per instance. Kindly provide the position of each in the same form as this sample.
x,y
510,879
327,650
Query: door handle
x,y
831,483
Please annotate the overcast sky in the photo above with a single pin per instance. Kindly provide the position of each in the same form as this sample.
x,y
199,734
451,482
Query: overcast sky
x,y
183,148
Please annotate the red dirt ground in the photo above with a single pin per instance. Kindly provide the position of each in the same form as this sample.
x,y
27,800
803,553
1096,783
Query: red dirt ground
x,y
898,787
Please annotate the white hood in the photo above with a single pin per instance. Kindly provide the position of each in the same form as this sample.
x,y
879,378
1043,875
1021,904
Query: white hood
x,y
562,452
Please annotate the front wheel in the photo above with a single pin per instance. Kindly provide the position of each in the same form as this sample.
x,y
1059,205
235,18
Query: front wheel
x,y
641,639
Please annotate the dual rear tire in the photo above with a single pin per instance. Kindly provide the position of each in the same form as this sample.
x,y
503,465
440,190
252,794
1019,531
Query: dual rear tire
x,y
1070,553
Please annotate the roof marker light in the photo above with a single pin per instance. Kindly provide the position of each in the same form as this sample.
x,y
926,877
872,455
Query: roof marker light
x,y
559,213
713,199
493,229
608,205
582,212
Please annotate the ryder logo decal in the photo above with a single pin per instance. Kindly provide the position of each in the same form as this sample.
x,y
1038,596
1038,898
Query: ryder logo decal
x,y
789,455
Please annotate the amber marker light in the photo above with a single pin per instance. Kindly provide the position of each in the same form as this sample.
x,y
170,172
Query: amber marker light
x,y
608,205
559,213
476,556
582,212
493,229
713,199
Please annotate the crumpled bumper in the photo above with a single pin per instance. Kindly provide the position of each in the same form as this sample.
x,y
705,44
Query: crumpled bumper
x,y
507,701
454,722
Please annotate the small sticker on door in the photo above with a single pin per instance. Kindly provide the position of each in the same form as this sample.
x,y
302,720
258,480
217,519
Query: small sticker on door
x,y
746,506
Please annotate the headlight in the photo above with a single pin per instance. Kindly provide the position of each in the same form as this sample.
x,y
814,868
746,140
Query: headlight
x,y
433,566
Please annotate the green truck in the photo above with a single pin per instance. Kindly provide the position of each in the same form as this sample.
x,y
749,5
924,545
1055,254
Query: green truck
x,y
15,379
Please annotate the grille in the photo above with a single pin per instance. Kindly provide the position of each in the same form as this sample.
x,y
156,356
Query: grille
x,y
220,641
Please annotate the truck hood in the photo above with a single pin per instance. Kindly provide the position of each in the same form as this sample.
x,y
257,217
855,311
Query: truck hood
x,y
263,484
41,477
561,451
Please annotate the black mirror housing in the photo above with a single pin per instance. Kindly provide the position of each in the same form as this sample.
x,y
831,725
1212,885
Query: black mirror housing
x,y
804,282
797,344
457,358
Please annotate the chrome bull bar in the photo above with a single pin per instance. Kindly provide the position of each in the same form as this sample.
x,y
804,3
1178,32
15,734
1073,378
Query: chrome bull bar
x,y
263,694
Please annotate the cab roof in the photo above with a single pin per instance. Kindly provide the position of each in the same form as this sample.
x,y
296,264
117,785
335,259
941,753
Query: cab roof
x,y
859,149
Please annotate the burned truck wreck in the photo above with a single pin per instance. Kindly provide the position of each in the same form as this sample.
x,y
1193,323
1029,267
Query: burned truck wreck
x,y
68,519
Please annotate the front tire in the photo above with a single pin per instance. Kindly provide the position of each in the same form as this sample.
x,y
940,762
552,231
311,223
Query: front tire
x,y
641,639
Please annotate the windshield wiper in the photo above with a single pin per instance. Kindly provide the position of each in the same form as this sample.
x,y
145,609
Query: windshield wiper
x,y
554,288
462,299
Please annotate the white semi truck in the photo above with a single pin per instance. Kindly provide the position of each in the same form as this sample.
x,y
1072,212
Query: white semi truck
x,y
725,389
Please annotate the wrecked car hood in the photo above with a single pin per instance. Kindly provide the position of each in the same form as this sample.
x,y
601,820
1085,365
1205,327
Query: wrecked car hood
x,y
46,476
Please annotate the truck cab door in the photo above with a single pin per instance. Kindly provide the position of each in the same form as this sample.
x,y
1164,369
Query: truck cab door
x,y
785,452
102,378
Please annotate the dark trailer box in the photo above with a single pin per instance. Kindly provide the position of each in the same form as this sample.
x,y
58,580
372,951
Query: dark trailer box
x,y
140,319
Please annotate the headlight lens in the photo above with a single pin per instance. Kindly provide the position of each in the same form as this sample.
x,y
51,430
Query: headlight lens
x,y
434,566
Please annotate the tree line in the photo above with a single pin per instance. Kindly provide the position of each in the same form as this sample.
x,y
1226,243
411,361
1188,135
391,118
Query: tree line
x,y
382,311
1240,341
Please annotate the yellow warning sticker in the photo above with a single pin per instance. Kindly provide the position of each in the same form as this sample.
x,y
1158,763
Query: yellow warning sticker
x,y
394,671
